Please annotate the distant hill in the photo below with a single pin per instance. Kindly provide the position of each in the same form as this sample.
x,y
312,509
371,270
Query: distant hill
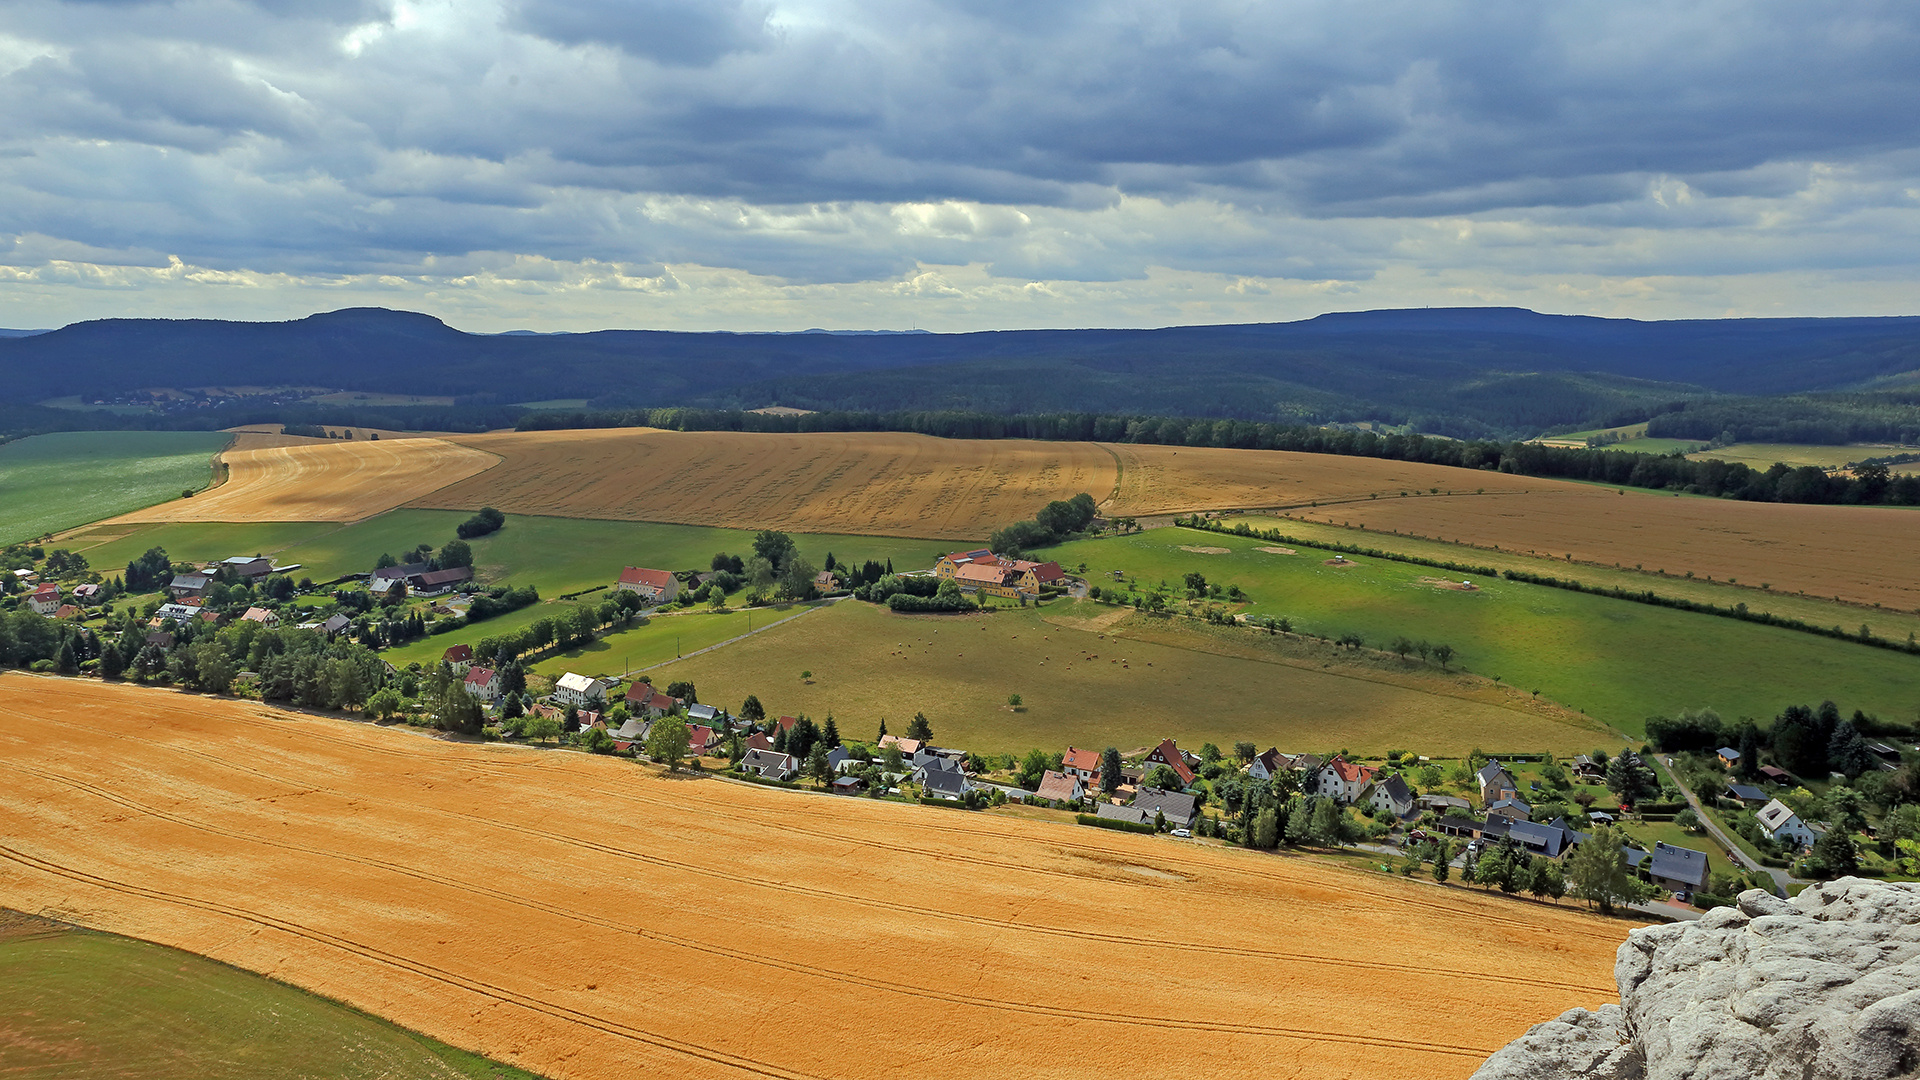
x,y
1461,371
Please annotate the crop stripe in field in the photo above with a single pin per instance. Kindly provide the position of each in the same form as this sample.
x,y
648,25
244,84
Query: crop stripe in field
x,y
415,967
1001,924
793,967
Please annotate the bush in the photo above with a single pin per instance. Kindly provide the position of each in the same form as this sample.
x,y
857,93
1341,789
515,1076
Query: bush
x,y
488,520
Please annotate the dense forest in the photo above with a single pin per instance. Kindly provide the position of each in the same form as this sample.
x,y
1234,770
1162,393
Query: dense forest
x,y
1820,419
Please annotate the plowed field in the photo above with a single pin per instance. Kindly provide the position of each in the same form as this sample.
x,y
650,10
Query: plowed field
x,y
277,478
585,917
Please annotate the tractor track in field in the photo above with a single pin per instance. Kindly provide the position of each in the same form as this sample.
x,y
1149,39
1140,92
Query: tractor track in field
x,y
791,967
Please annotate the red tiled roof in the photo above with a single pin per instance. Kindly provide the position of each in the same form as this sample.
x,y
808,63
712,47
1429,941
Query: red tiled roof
x,y
635,575
1056,786
1048,571
1085,760
986,573
46,592
699,737
759,741
787,722
479,676
1169,754
458,654
1348,772
981,556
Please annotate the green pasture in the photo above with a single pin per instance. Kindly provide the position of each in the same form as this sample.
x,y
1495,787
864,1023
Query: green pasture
x,y
49,483
1095,676
1613,659
1886,622
1763,455
80,1003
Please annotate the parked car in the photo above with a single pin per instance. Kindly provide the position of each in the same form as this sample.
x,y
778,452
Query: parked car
x,y
1182,833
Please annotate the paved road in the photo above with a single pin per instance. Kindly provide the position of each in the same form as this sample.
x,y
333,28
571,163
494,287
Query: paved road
x,y
1781,879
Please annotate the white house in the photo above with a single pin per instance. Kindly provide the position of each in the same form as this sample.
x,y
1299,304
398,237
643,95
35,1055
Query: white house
x,y
1061,787
45,599
654,586
483,683
262,616
1778,820
1081,764
1391,796
1342,780
578,690
177,612
769,765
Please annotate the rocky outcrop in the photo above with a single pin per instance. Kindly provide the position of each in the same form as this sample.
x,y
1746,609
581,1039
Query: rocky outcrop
x,y
1823,987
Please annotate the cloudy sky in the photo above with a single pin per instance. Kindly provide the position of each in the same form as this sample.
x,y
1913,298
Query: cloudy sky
x,y
966,165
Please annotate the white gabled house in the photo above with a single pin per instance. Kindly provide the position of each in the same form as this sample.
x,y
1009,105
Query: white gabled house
x,y
579,690
482,683
1778,820
769,765
1391,796
653,586
1341,780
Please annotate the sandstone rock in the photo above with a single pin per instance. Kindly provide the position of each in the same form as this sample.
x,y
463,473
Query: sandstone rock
x,y
1824,987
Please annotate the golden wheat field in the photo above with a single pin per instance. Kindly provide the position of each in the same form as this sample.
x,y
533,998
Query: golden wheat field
x,y
583,916
879,484
274,477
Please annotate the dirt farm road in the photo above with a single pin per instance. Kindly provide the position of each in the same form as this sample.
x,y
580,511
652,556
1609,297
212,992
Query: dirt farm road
x,y
587,917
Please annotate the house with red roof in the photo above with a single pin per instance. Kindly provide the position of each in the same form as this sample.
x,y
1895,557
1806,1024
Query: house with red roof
x,y
44,599
1084,764
644,700
483,683
653,586
1060,787
1173,758
459,658
1341,780
983,571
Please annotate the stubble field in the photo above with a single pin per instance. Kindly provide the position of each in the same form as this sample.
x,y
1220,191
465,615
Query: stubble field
x,y
1860,554
277,478
584,917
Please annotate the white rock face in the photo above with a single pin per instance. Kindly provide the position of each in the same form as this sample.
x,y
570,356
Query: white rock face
x,y
1824,987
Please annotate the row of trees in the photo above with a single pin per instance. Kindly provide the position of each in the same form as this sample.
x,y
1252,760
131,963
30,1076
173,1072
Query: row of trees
x,y
1056,521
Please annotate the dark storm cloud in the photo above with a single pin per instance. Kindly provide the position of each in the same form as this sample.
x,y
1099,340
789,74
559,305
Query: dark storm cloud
x,y
362,135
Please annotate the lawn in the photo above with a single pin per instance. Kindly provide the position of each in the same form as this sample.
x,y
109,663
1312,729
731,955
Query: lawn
x,y
1097,676
1762,455
664,638
53,482
81,1003
1616,660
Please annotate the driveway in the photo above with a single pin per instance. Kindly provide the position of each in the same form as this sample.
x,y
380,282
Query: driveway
x,y
1781,879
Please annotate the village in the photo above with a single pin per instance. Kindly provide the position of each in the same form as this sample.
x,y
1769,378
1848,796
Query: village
x,y
1516,822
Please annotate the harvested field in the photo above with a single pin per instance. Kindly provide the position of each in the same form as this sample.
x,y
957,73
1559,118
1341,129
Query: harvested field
x,y
275,477
1861,554
873,483
1205,550
1168,480
585,917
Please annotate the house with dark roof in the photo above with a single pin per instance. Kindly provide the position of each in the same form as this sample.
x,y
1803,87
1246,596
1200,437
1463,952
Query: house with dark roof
x,y
1179,808
1776,774
1729,756
185,585
1496,783
1129,814
1390,796
1445,804
1746,793
1509,807
439,582
1267,765
1452,825
1678,869
1552,840
653,586
335,625
944,783
256,566
1494,827
769,765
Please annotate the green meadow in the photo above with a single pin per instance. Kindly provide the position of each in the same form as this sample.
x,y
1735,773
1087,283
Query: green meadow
x,y
49,483
81,1003
1615,660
